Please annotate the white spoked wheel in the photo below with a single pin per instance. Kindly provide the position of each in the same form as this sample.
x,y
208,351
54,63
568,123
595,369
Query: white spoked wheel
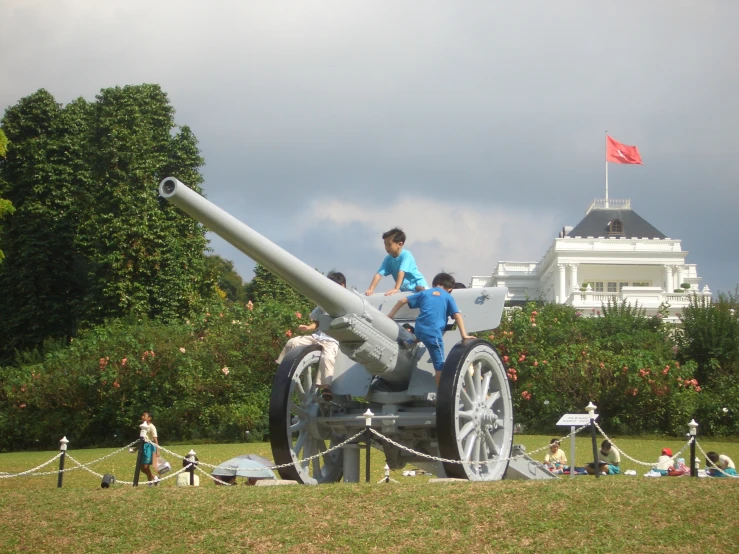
x,y
295,432
474,413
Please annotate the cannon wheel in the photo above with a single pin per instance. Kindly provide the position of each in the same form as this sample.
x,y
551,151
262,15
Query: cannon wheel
x,y
474,412
294,431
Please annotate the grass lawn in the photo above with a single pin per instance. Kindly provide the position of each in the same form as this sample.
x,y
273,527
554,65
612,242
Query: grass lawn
x,y
584,514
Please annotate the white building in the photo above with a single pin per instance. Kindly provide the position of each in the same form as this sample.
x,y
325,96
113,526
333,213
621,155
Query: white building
x,y
612,253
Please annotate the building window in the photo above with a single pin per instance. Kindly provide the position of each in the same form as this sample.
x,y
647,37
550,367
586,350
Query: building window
x,y
611,287
641,283
615,227
599,286
621,286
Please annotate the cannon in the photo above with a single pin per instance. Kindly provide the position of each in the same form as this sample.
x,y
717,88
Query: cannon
x,y
467,424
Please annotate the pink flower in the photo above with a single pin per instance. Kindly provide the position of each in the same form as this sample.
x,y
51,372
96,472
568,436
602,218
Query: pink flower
x,y
697,389
22,406
288,333
249,305
578,314
533,324
224,370
665,370
534,313
602,365
522,358
124,361
182,349
536,364
544,362
298,315
505,359
116,384
526,395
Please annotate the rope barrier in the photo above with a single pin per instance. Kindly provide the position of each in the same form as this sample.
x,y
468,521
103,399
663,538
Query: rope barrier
x,y
29,471
85,466
289,464
448,461
625,455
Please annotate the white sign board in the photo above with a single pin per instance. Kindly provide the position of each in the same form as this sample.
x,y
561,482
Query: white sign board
x,y
568,420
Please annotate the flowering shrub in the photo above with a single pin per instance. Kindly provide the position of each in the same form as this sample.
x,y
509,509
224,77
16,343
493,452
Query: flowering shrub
x,y
208,378
623,361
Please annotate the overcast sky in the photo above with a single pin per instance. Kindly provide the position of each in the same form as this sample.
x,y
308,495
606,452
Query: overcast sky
x,y
476,126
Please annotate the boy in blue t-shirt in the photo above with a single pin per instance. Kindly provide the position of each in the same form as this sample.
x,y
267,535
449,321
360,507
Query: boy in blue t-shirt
x,y
436,306
400,264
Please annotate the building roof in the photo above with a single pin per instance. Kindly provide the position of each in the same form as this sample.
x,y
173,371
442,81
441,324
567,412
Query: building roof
x,y
600,223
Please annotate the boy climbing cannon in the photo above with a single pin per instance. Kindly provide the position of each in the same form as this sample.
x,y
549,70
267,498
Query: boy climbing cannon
x,y
380,365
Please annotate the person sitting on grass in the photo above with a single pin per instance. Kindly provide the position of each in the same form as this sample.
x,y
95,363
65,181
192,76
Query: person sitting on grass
x,y
608,460
719,465
435,306
555,458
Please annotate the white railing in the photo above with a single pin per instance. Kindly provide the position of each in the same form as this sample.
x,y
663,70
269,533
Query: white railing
x,y
610,204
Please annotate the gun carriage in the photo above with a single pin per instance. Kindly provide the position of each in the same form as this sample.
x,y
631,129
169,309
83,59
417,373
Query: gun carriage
x,y
470,419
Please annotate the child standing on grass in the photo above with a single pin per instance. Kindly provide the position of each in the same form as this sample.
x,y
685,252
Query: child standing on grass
x,y
400,264
151,455
329,345
436,306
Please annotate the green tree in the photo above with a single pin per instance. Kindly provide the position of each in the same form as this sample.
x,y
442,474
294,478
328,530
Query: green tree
x,y
42,175
6,206
265,287
146,256
710,335
230,284
91,239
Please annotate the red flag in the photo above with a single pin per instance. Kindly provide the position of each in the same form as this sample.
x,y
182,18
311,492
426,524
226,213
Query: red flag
x,y
621,153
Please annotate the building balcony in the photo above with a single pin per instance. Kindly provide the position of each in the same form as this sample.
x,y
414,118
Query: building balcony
x,y
652,299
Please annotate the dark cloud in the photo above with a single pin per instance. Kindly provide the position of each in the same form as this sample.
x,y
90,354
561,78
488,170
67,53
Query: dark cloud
x,y
501,106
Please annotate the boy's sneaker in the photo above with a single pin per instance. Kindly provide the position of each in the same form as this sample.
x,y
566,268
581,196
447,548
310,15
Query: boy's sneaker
x,y
156,480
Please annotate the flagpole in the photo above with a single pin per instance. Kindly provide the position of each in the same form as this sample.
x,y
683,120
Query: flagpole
x,y
606,145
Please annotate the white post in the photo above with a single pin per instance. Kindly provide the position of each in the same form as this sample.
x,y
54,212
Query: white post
x,y
572,452
351,462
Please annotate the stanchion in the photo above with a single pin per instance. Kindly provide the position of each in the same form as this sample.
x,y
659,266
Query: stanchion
x,y
693,432
368,441
590,408
63,449
193,462
140,454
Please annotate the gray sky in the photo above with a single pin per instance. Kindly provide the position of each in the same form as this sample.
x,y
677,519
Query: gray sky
x,y
476,126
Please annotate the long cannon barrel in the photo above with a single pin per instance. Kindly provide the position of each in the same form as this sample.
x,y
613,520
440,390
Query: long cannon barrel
x,y
336,300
